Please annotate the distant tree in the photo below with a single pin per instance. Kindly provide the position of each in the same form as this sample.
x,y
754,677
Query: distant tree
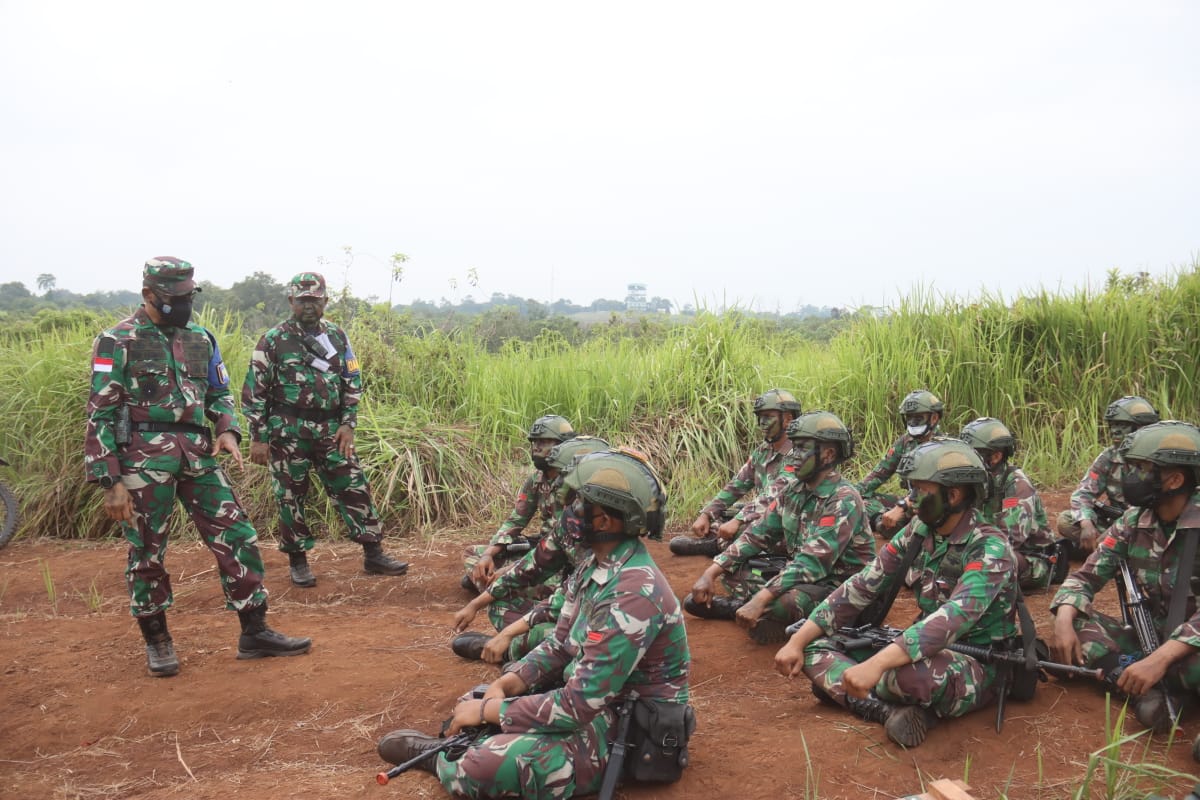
x,y
259,292
398,262
46,282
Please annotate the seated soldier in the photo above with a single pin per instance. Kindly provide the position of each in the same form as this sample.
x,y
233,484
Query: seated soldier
x,y
1089,514
921,411
963,572
1155,540
1015,507
720,520
523,625
620,635
535,496
818,518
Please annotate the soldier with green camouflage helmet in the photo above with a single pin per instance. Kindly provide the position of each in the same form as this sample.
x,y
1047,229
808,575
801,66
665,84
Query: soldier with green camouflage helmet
x,y
300,398
1157,538
963,573
536,496
921,411
816,517
620,633
1099,497
1015,507
158,379
719,521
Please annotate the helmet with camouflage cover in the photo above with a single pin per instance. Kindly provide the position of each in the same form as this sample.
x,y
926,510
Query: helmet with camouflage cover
x,y
623,481
989,433
563,455
551,426
945,461
824,426
776,400
771,410
921,401
1168,443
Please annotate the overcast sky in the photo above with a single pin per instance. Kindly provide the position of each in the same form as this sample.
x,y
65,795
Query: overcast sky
x,y
767,154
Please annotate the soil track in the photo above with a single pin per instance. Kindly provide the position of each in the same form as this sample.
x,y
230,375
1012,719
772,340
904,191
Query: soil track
x,y
82,720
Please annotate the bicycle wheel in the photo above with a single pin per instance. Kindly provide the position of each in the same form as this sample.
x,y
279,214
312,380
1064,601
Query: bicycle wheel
x,y
8,514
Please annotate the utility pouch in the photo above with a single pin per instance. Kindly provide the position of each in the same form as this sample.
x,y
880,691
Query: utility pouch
x,y
658,741
122,428
1025,681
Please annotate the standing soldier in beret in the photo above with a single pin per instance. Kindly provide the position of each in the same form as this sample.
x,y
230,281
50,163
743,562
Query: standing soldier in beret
x,y
156,377
300,399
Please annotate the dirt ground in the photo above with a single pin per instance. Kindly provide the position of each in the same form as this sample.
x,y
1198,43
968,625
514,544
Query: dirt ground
x,y
83,720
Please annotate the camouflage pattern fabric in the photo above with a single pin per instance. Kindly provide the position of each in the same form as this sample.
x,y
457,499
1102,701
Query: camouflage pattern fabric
x,y
1153,554
764,465
295,397
824,531
966,591
1101,483
621,630
169,376
536,496
1015,507
875,501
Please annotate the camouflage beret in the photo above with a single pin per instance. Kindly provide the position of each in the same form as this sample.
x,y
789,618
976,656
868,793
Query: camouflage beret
x,y
169,275
307,284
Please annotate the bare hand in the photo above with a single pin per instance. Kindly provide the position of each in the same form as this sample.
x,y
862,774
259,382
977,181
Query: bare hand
x,y
260,453
1141,676
228,442
1087,535
789,661
860,679
485,570
1064,644
343,439
893,518
748,614
702,590
118,503
496,650
701,525
464,617
729,529
466,715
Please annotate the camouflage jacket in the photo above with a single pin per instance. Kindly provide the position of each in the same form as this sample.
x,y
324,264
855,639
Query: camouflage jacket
x,y
621,629
761,469
1016,509
1153,555
1102,478
825,530
537,495
965,585
285,374
887,465
164,375
559,552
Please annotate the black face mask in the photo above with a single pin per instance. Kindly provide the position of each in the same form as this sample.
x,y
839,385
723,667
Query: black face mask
x,y
935,509
1142,487
176,311
583,511
540,463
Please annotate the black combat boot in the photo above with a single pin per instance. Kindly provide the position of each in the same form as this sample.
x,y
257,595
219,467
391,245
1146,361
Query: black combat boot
x,y
377,562
400,746
160,650
692,546
905,725
721,608
470,645
1062,561
259,641
1151,710
301,574
769,631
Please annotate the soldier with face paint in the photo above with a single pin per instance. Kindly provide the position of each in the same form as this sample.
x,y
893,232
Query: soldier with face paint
x,y
963,574
816,516
1157,538
921,411
158,380
721,520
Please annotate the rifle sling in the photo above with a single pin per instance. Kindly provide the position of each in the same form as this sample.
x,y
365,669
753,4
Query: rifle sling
x,y
1182,588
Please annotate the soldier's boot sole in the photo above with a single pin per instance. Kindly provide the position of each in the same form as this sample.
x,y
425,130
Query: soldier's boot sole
x,y
909,725
267,643
769,631
692,546
721,608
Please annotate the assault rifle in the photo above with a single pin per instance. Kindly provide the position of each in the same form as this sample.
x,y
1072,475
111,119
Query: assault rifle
x,y
1137,616
462,740
1106,514
768,567
616,756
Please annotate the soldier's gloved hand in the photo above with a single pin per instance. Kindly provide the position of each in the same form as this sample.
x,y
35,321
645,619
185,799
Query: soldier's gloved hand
x,y
701,525
1087,535
118,503
729,529
260,453
343,439
229,443
496,650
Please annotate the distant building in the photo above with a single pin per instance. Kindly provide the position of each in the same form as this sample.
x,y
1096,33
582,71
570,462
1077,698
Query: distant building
x,y
636,299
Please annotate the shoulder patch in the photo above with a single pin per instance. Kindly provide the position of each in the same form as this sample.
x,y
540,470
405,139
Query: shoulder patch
x,y
1011,502
825,522
1109,541
973,565
594,636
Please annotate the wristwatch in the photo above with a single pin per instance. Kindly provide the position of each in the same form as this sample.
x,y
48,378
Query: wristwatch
x,y
106,481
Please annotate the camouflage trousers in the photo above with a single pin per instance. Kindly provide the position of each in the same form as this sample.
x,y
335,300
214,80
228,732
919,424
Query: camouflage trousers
x,y
793,605
949,684
1033,571
505,611
524,644
1107,643
292,462
209,500
545,766
1068,527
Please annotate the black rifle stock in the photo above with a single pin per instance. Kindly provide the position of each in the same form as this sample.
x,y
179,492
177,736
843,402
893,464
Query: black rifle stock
x,y
616,756
1137,616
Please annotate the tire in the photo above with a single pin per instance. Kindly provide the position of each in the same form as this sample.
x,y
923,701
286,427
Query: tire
x,y
8,514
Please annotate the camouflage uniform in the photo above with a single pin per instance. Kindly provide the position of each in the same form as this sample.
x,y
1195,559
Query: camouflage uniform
x,y
1015,507
876,503
621,630
295,400
1152,551
966,593
823,530
1103,478
761,470
169,380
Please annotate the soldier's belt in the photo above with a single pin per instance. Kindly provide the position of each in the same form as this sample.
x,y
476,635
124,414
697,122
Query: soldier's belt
x,y
309,414
171,427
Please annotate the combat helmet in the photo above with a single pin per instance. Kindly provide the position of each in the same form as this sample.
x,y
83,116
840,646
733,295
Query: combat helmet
x,y
989,433
1131,410
562,455
945,461
921,401
824,426
776,400
621,479
551,426
1167,443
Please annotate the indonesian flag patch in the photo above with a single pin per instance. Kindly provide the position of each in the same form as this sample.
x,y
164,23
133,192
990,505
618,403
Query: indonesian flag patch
x,y
825,522
1011,502
594,636
102,364
1110,542
973,565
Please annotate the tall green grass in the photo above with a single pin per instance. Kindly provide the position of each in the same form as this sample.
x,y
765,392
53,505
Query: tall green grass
x,y
443,422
